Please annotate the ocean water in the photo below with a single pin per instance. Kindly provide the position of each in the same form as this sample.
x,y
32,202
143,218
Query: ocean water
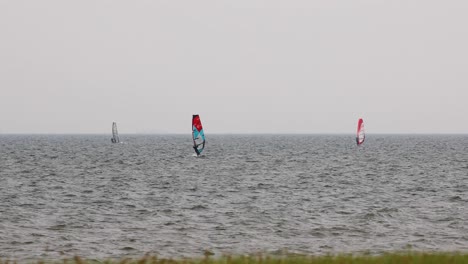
x,y
66,195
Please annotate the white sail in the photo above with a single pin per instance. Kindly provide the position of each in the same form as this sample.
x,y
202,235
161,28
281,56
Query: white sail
x,y
115,134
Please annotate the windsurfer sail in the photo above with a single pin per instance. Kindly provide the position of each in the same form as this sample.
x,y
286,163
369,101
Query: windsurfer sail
x,y
360,136
198,135
115,134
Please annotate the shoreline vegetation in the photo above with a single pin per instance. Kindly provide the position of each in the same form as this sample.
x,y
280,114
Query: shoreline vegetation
x,y
386,258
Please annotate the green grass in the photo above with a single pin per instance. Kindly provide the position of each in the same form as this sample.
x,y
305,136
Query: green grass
x,y
389,258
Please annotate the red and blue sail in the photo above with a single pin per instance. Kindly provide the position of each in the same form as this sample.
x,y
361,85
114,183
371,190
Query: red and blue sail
x,y
360,135
198,135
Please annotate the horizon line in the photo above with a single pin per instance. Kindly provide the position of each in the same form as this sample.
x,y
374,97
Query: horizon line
x,y
245,133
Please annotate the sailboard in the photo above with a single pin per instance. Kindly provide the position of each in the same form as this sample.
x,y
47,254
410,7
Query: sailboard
x,y
198,135
360,136
115,134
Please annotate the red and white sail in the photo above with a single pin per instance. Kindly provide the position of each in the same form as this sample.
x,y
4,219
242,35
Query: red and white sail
x,y
360,136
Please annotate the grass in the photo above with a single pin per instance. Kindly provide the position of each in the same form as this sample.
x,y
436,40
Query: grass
x,y
389,258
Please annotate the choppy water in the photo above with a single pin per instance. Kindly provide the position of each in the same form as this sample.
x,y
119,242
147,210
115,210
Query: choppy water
x,y
81,195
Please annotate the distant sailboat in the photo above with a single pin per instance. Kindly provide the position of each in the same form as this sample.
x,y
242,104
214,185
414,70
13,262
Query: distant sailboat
x,y
360,136
115,134
198,135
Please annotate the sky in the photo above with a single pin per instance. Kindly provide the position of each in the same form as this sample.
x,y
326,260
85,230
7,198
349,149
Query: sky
x,y
245,66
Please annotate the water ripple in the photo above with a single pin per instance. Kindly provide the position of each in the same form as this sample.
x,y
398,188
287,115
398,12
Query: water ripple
x,y
79,195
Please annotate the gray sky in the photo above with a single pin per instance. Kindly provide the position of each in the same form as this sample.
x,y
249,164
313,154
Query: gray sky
x,y
246,66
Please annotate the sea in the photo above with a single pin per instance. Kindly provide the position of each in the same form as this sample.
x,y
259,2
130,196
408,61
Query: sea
x,y
67,195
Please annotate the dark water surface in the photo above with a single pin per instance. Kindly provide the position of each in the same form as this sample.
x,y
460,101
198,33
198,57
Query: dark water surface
x,y
81,195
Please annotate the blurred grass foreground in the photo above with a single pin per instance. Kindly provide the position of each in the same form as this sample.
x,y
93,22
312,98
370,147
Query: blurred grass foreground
x,y
388,258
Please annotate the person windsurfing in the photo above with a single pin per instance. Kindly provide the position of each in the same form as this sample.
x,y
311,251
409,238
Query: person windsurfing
x,y
196,149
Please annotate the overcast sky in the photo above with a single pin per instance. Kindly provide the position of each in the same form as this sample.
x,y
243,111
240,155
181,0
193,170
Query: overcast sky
x,y
246,66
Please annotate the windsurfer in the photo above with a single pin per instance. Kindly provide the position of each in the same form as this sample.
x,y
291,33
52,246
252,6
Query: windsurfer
x,y
196,150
